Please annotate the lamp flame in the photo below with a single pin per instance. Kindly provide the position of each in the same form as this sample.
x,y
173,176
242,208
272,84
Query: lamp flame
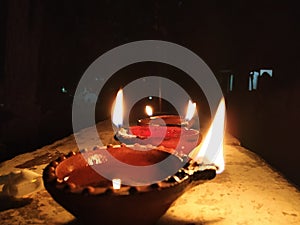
x,y
211,148
190,110
149,110
117,117
116,183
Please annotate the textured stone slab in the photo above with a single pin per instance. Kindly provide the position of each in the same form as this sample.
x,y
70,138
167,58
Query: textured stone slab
x,y
249,191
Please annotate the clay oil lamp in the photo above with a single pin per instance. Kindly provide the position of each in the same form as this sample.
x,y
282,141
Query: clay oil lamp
x,y
170,131
164,131
95,187
182,139
73,181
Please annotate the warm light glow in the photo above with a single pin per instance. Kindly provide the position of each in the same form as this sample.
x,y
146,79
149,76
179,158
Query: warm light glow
x,y
211,148
149,110
190,110
117,117
116,183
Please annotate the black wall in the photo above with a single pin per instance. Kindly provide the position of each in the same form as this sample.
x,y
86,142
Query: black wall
x,y
47,45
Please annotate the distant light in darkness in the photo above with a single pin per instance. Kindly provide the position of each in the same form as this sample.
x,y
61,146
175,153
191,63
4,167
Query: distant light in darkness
x,y
254,75
255,80
250,84
231,82
64,90
150,97
268,71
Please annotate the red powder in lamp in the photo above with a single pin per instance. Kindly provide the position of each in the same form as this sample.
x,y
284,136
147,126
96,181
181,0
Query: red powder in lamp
x,y
167,132
81,169
180,138
163,120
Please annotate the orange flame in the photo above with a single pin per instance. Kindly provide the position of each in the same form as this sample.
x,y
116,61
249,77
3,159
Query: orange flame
x,y
117,117
149,110
190,110
211,148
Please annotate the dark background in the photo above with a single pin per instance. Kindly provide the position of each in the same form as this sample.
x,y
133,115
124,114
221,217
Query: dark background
x,y
46,46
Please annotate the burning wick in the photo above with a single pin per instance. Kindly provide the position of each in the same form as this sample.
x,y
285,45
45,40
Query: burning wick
x,y
215,134
149,110
116,183
117,117
190,110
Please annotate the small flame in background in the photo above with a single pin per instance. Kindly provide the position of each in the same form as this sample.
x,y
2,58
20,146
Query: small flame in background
x,y
190,110
149,110
117,117
116,183
211,148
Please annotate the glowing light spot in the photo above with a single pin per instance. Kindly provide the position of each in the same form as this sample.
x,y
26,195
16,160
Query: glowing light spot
x,y
64,90
149,110
267,71
116,183
117,117
231,82
250,84
210,149
190,110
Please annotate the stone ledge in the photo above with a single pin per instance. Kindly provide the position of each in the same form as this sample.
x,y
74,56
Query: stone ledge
x,y
249,191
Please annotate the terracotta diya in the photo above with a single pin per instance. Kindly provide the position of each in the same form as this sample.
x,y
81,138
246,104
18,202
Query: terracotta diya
x,y
183,139
74,183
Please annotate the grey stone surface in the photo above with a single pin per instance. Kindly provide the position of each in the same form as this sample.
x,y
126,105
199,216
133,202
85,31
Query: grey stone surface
x,y
249,191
